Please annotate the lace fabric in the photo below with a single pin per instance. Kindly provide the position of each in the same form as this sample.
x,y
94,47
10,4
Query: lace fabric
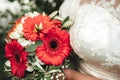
x,y
95,35
70,7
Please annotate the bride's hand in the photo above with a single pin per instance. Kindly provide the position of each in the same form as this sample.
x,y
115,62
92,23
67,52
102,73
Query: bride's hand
x,y
74,75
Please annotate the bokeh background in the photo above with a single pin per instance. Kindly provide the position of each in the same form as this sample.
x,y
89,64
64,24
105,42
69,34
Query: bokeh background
x,y
11,10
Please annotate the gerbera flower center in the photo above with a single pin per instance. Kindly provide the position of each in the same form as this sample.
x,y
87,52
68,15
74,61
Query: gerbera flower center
x,y
53,44
37,28
17,57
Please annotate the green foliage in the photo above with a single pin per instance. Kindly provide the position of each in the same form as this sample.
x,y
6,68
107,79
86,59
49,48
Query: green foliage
x,y
67,22
33,47
66,19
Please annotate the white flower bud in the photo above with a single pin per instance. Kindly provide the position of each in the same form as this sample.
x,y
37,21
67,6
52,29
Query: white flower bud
x,y
7,63
29,68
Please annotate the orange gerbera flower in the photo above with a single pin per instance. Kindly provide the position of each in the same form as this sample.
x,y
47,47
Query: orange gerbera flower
x,y
18,58
55,47
33,27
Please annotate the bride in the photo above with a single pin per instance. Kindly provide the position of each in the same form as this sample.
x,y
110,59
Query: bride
x,y
95,37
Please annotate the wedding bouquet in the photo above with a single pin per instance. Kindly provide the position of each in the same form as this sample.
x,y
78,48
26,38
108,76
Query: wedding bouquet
x,y
37,47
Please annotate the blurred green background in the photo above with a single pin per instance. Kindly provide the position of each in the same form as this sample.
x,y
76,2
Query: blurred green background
x,y
11,10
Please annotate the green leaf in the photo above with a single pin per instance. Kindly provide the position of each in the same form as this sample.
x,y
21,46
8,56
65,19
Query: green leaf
x,y
31,54
53,71
33,47
40,67
38,43
47,75
32,58
25,11
48,78
62,71
67,24
35,67
66,19
39,77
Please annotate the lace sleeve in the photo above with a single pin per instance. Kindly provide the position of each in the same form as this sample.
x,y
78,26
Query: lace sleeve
x,y
70,7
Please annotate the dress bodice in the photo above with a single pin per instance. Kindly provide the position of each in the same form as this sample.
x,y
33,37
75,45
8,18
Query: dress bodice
x,y
95,36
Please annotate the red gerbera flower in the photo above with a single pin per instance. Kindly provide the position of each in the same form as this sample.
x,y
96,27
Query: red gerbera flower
x,y
18,58
41,23
55,47
57,23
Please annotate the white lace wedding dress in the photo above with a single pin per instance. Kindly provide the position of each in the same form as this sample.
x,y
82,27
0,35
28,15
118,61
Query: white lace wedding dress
x,y
95,36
